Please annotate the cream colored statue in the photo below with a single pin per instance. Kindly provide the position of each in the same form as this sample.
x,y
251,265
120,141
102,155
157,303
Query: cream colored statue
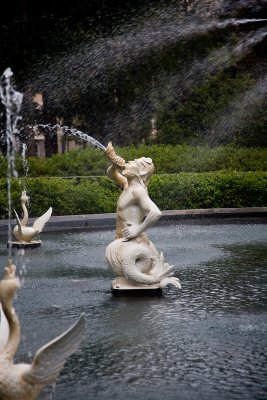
x,y
24,381
27,235
132,256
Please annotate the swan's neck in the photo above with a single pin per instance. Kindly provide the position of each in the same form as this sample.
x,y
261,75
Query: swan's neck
x,y
25,214
12,344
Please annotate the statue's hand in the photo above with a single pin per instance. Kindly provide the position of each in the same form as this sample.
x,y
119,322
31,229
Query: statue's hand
x,y
109,152
132,231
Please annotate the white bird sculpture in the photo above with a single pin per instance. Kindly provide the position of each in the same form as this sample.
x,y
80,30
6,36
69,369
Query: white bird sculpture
x,y
25,381
24,233
4,329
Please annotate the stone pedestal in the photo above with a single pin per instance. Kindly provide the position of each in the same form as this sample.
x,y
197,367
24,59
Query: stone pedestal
x,y
123,287
25,245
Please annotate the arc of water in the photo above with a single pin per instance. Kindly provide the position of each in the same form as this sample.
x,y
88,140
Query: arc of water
x,y
238,112
112,53
74,132
168,86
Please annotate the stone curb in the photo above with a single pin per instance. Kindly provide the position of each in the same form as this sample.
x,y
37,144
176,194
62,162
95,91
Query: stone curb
x,y
108,221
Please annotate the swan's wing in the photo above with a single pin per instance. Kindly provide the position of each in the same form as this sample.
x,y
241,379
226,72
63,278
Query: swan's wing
x,y
18,221
4,329
50,358
40,222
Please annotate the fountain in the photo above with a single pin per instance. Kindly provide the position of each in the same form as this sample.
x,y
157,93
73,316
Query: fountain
x,y
135,350
25,381
27,235
133,258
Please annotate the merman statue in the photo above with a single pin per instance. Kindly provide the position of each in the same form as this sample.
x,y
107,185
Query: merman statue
x,y
25,381
27,235
133,258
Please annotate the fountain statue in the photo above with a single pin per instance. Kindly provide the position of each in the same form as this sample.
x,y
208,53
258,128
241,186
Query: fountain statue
x,y
27,235
138,266
25,381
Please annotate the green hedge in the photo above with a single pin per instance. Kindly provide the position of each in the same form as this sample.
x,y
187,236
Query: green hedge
x,y
177,191
209,190
167,159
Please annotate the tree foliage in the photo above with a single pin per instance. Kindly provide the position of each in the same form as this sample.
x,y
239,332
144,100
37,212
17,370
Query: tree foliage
x,y
118,94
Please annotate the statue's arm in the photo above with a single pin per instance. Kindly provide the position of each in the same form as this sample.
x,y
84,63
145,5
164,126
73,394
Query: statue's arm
x,y
117,164
113,173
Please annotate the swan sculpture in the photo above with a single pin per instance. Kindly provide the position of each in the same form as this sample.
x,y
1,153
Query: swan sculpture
x,y
27,234
4,329
25,381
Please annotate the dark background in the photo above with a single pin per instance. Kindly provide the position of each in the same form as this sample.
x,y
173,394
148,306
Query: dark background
x,y
34,34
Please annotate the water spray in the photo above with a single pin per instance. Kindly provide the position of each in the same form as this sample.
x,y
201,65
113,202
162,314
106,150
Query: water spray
x,y
73,132
25,166
12,100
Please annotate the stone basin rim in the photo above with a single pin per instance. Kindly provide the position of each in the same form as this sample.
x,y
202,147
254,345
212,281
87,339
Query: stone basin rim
x,y
188,216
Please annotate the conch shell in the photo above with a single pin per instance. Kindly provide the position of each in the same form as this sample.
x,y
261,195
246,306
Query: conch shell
x,y
113,157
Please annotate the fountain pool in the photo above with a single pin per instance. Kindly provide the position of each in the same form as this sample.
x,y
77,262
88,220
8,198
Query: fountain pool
x,y
207,340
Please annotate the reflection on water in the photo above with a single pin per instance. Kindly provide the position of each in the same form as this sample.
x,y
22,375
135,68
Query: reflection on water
x,y
206,341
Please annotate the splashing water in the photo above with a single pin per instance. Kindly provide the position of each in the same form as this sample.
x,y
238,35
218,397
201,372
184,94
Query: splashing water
x,y
25,166
92,64
66,130
172,86
12,101
90,70
238,113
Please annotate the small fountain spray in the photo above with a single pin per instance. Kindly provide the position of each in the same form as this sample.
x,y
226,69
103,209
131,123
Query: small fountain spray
x,y
27,236
12,101
24,381
25,166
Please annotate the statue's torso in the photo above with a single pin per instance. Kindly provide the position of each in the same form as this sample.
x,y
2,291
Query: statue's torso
x,y
128,211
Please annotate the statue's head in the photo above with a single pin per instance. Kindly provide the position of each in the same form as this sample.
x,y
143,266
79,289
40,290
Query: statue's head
x,y
142,168
24,198
10,283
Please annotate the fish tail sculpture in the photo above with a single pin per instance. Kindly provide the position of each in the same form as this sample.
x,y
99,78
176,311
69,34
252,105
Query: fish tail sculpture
x,y
140,263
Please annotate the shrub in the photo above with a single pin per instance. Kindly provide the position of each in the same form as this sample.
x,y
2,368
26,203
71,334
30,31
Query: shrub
x,y
175,191
167,159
